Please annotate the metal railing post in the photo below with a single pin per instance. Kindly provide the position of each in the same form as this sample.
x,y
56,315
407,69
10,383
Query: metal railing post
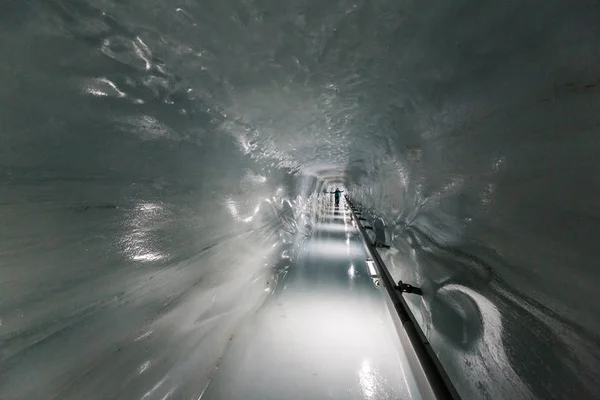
x,y
433,381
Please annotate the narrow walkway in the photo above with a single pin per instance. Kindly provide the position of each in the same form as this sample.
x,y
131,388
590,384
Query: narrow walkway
x,y
325,333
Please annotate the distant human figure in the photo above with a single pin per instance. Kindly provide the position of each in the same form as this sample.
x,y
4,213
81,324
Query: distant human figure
x,y
337,194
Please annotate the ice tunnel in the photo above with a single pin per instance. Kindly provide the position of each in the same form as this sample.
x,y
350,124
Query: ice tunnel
x,y
167,228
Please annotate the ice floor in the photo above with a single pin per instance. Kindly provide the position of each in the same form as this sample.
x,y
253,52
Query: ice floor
x,y
325,332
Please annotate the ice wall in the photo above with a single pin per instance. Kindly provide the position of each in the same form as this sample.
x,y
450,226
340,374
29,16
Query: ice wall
x,y
153,151
135,234
489,187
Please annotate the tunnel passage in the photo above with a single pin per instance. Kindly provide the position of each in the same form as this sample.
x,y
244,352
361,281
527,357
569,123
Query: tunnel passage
x,y
157,158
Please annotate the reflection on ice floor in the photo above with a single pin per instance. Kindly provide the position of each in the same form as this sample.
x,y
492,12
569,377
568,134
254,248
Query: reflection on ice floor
x,y
325,333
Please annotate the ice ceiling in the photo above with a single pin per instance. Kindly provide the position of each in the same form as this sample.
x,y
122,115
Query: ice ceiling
x,y
141,139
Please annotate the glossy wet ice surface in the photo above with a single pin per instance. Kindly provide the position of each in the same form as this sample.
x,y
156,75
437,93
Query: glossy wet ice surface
x,y
324,333
153,151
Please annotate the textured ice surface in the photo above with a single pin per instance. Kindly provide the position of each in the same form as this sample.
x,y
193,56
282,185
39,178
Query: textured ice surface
x,y
157,157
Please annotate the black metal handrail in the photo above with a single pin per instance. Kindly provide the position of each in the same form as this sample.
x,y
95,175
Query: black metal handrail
x,y
437,384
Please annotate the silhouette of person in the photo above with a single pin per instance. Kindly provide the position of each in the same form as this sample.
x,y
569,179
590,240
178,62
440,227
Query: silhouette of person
x,y
337,194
